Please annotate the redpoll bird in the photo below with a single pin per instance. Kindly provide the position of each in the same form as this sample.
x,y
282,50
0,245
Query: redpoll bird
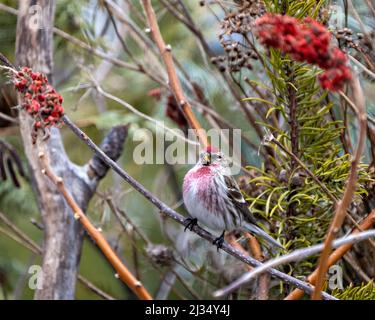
x,y
213,198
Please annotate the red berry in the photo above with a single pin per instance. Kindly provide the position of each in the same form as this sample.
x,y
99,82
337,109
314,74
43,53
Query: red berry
x,y
305,40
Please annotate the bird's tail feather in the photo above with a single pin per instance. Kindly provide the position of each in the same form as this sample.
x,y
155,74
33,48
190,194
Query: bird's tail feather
x,y
252,228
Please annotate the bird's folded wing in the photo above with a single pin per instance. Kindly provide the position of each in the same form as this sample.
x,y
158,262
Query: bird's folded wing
x,y
235,195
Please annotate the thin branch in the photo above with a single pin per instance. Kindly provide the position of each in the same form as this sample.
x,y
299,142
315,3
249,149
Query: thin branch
x,y
296,255
179,218
293,119
119,214
15,238
272,139
264,280
361,66
8,118
166,285
343,138
229,80
371,7
336,255
294,133
24,240
344,203
82,44
360,22
174,82
94,288
123,272
353,106
356,267
142,115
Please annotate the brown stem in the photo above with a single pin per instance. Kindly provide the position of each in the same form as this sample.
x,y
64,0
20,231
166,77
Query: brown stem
x,y
244,105
264,279
174,82
344,203
336,255
293,122
125,275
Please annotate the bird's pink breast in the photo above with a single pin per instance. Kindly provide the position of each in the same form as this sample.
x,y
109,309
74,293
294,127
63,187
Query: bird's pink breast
x,y
201,177
200,182
202,197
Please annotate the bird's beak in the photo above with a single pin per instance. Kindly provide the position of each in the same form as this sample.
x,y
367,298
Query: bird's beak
x,y
206,159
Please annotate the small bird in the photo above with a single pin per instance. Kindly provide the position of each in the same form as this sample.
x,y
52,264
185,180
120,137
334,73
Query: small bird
x,y
213,197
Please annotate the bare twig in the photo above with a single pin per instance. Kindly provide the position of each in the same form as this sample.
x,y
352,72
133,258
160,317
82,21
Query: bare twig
x,y
15,238
8,118
360,22
174,82
296,255
304,167
336,255
166,285
20,237
361,66
294,137
355,266
122,214
371,7
94,288
142,115
123,272
263,281
82,44
344,203
293,119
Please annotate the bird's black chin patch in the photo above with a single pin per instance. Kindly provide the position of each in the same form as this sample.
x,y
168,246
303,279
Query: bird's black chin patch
x,y
206,164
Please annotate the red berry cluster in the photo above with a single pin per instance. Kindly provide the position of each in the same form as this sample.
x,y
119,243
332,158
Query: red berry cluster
x,y
305,40
39,98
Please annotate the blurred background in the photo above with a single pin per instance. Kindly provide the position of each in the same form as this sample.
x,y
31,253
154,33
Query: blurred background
x,y
91,23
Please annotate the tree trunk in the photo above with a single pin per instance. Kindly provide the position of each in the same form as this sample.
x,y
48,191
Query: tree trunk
x,y
62,234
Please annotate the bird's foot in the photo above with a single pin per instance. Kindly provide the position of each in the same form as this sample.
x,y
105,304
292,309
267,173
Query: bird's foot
x,y
190,223
219,241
